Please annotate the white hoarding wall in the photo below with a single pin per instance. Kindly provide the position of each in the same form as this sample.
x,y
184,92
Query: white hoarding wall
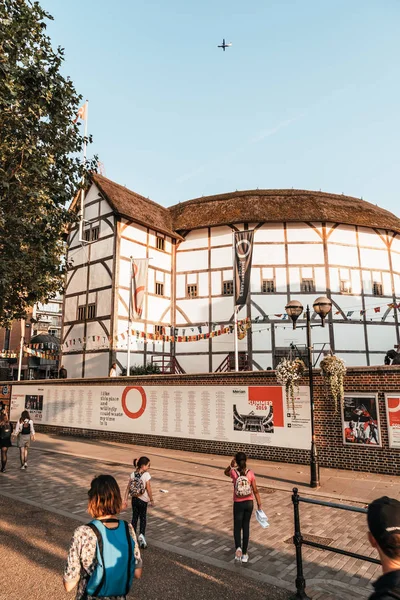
x,y
246,414
392,402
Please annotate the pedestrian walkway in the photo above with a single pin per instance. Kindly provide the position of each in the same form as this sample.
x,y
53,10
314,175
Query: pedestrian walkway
x,y
193,512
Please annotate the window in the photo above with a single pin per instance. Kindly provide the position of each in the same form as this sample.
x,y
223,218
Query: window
x,y
345,287
159,289
86,235
160,243
81,313
377,288
91,311
268,286
91,234
228,288
54,332
158,329
191,291
307,285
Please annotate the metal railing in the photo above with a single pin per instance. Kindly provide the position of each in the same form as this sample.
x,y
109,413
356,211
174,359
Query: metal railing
x,y
299,541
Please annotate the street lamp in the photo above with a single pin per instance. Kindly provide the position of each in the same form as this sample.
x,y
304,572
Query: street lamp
x,y
322,306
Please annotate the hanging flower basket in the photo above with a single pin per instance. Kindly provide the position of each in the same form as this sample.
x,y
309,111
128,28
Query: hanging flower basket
x,y
334,370
288,373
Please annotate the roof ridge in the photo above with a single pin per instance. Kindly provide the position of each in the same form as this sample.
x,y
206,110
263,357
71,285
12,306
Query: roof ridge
x,y
97,176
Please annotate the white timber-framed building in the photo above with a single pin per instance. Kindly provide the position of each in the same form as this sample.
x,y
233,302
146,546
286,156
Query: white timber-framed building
x,y
306,244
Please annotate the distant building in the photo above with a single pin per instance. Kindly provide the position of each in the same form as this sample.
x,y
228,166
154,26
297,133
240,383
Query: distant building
x,y
307,244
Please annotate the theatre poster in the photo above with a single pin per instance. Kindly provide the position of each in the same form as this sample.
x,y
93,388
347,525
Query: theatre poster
x,y
244,414
392,402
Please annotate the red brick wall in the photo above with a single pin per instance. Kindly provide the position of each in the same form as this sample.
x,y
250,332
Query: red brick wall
x,y
332,452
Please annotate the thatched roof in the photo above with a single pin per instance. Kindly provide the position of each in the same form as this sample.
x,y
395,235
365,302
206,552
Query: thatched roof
x,y
278,206
250,206
133,206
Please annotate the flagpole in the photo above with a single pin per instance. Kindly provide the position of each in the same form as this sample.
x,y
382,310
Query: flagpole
x,y
128,360
84,163
235,311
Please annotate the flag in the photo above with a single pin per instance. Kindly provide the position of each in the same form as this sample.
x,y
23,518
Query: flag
x,y
362,312
138,285
377,309
243,251
82,113
349,313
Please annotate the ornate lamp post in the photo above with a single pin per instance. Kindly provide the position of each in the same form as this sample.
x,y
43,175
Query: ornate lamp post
x,y
322,306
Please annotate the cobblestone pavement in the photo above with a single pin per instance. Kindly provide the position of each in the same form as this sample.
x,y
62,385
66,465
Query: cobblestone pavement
x,y
195,519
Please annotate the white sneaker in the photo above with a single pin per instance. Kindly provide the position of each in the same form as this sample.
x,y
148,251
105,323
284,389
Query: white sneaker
x,y
23,467
142,541
245,558
26,465
238,555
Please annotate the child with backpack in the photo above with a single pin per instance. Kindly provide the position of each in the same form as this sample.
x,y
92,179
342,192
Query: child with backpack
x,y
139,489
25,432
244,487
6,430
103,557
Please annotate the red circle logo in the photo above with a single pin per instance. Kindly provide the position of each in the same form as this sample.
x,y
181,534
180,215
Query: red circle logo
x,y
137,414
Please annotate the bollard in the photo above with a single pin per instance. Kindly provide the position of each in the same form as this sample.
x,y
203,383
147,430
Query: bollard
x,y
298,540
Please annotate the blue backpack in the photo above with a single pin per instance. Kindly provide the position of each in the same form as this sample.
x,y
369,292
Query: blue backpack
x,y
115,567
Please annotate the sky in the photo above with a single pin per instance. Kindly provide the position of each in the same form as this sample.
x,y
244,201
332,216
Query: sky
x,y
307,97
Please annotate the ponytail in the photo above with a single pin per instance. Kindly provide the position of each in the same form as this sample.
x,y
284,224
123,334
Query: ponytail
x,y
241,460
142,461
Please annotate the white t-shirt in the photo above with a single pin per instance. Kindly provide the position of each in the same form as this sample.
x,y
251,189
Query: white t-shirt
x,y
145,478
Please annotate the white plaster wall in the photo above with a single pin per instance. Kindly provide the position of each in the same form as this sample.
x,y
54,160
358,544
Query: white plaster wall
x,y
221,236
192,347
374,259
273,232
353,360
280,280
195,260
156,308
264,360
104,302
381,337
130,248
70,308
261,336
159,259
77,282
377,359
349,337
92,212
396,262
195,309
99,276
268,254
343,234
105,208
294,279
194,240
133,231
216,287
96,365
387,283
368,237
269,303
222,308
298,232
180,286
193,364
95,329
342,255
396,280
255,279
222,257
102,249
73,364
203,284
76,332
320,280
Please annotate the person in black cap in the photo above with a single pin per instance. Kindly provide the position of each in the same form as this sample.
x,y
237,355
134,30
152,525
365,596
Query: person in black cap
x,y
384,534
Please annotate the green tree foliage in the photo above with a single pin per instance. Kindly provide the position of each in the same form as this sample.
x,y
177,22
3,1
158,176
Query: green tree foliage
x,y
40,166
149,369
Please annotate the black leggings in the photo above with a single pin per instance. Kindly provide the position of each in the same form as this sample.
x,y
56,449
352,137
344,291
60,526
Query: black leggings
x,y
241,522
139,509
4,457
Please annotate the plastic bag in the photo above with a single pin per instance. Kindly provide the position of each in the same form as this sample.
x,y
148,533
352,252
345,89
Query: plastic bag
x,y
262,518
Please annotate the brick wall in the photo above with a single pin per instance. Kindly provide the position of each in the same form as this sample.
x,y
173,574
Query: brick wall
x,y
328,424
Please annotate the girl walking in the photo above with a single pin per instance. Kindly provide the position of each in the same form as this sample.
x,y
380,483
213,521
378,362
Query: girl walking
x,y
6,430
244,488
139,489
25,432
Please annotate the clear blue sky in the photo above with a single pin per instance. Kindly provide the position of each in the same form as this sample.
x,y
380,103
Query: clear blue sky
x,y
307,97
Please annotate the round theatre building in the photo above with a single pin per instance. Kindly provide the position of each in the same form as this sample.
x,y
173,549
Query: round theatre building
x,y
306,244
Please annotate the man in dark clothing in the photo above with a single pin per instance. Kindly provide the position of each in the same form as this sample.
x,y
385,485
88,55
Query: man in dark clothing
x,y
63,372
384,535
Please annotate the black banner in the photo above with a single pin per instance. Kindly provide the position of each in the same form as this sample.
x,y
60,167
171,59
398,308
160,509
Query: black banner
x,y
242,266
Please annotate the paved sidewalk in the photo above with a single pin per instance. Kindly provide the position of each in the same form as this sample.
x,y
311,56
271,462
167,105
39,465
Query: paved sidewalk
x,y
194,518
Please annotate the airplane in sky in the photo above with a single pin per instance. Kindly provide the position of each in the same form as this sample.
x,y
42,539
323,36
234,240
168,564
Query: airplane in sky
x,y
225,45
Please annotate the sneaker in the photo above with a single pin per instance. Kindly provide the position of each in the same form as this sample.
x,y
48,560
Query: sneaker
x,y
26,465
142,541
245,558
23,467
238,555
2,469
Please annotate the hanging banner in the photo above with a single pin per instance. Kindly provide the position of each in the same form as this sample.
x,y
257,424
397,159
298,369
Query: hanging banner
x,y
139,281
240,414
392,402
243,252
360,420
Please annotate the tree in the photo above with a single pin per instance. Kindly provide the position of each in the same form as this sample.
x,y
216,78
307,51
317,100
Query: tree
x,y
40,166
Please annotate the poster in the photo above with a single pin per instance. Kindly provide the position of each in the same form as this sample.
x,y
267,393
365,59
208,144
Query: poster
x,y
243,414
361,420
5,393
392,402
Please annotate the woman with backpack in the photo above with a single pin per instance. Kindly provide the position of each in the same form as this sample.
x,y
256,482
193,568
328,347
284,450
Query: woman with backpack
x,y
6,430
139,489
244,487
104,556
25,432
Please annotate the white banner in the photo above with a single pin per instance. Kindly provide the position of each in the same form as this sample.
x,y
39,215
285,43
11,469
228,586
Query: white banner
x,y
138,285
392,402
243,414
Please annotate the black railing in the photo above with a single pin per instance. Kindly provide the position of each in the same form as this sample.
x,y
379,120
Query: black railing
x,y
299,541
